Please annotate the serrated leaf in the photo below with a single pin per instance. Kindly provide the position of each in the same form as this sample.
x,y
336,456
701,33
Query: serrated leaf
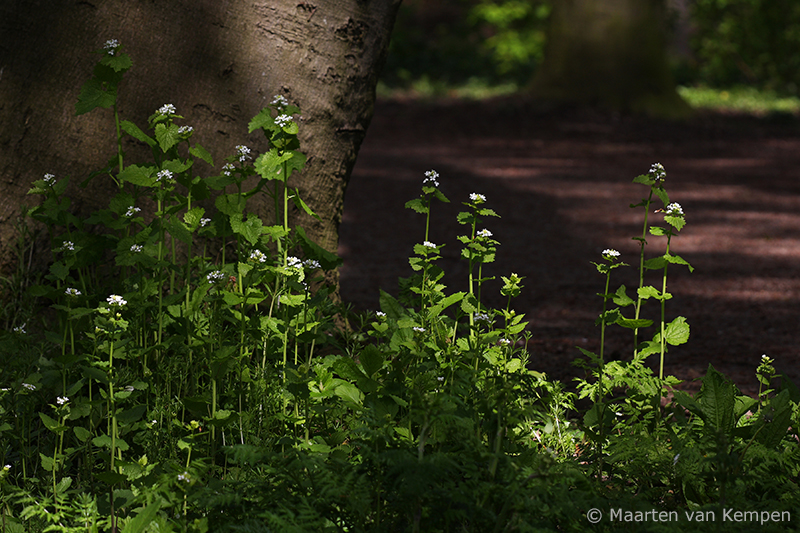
x,y
201,153
417,205
270,165
648,292
658,231
133,130
717,401
250,229
349,393
677,332
302,205
95,93
662,195
143,519
193,216
230,204
678,260
141,176
81,433
676,222
262,120
634,323
644,179
621,298
119,62
390,306
178,230
371,359
167,136
656,263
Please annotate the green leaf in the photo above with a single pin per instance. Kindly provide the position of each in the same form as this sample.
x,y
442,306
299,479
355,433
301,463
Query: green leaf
x,y
81,433
658,231
327,260
302,205
143,519
142,176
95,93
390,306
250,230
676,222
444,303
349,393
776,417
677,332
59,270
270,165
644,179
717,400
263,120
178,230
193,216
662,194
648,292
417,205
167,136
634,323
677,260
48,463
201,153
51,424
655,263
119,62
230,204
371,359
133,130
621,297
469,304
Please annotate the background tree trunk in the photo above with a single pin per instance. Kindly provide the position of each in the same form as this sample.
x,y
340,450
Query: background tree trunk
x,y
610,53
218,62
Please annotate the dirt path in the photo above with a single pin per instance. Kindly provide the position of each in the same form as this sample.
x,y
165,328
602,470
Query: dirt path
x,y
562,183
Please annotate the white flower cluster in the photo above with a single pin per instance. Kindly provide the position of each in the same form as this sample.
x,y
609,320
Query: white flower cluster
x,y
483,317
20,329
418,329
258,255
164,175
184,477
136,248
504,341
279,101
380,314
658,172
283,120
132,210
111,46
431,178
294,262
116,300
72,292
428,244
242,152
609,252
50,179
204,222
67,246
167,110
61,400
484,233
183,130
312,264
674,210
477,198
29,386
227,168
215,276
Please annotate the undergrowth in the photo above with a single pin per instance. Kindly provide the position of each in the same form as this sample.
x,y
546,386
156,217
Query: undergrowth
x,y
188,375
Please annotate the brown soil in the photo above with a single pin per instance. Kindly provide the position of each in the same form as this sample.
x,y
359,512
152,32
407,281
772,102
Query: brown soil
x,y
561,180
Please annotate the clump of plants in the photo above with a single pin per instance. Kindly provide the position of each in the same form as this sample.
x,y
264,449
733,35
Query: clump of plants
x,y
179,382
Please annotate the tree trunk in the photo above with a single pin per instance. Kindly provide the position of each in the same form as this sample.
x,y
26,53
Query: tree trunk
x,y
610,53
218,62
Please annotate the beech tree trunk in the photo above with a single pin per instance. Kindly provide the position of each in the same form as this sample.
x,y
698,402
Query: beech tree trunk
x,y
219,62
611,53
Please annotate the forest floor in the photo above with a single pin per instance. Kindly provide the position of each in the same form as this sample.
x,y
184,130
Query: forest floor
x,y
562,182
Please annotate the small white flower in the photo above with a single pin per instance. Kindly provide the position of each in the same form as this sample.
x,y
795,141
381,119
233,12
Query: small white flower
x,y
227,168
116,300
380,314
428,244
67,246
484,233
431,178
184,477
164,175
279,101
111,46
294,262
129,388
418,329
675,459
61,400
477,198
29,386
154,422
20,329
132,210
608,252
482,317
183,130
215,276
283,120
674,210
72,292
242,152
204,222
312,264
49,179
136,248
167,109
258,255
504,341
658,172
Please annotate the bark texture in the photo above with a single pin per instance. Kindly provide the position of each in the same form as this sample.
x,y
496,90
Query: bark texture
x,y
219,62
611,53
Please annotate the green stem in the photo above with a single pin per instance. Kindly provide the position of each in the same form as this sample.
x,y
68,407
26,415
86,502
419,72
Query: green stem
x,y
641,270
